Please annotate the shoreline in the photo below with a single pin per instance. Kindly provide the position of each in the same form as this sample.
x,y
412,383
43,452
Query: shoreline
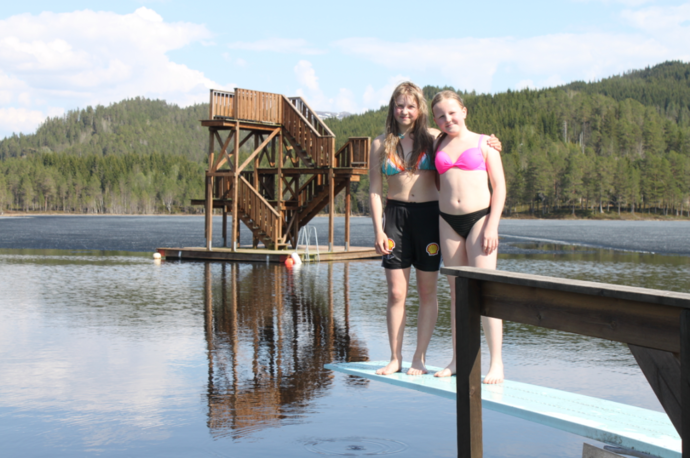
x,y
568,217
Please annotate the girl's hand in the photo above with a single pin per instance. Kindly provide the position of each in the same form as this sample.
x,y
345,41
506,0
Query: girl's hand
x,y
490,241
381,244
495,143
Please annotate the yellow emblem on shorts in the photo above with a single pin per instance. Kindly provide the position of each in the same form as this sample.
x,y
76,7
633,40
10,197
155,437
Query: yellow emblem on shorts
x,y
391,244
432,249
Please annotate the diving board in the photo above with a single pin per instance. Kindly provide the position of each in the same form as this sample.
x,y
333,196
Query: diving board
x,y
605,421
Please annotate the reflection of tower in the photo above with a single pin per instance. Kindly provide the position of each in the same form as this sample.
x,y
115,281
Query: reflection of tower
x,y
269,336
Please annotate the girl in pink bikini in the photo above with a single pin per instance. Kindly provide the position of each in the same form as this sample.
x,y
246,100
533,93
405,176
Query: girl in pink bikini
x,y
469,211
406,229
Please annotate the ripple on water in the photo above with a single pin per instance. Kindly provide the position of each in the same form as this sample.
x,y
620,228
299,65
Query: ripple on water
x,y
355,446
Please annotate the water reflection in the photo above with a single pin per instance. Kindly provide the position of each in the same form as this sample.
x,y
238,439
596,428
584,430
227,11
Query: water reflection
x,y
269,333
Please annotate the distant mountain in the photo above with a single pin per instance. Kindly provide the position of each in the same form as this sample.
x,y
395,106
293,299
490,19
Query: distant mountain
x,y
136,125
333,114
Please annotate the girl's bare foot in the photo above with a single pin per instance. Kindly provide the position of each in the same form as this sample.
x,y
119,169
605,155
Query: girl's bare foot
x,y
391,368
447,372
417,367
495,374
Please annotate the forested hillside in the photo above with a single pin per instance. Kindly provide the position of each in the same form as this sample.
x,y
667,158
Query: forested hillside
x,y
620,144
623,142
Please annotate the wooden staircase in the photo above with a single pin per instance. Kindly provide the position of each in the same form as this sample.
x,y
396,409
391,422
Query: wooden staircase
x,y
305,171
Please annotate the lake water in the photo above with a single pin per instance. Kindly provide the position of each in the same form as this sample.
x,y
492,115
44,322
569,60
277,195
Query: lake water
x,y
105,352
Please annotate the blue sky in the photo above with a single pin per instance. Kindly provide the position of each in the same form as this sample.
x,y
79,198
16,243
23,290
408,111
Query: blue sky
x,y
344,56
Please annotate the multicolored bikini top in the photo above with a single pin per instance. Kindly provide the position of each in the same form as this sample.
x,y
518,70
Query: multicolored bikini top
x,y
471,159
392,166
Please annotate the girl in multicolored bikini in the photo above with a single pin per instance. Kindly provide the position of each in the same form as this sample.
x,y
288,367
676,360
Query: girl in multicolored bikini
x,y
469,211
407,232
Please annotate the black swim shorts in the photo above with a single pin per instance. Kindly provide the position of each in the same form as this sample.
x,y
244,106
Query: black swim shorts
x,y
412,230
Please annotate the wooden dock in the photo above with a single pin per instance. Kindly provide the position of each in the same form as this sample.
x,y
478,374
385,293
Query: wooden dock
x,y
610,422
654,324
250,254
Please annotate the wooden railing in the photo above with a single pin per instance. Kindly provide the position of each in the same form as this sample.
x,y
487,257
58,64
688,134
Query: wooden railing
x,y
654,324
258,209
318,147
310,115
258,106
222,104
354,153
301,123
307,191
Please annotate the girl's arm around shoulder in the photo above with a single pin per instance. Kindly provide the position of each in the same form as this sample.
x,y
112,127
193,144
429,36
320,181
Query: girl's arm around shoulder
x,y
494,168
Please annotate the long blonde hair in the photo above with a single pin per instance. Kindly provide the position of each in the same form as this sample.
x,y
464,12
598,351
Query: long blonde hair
x,y
438,98
423,141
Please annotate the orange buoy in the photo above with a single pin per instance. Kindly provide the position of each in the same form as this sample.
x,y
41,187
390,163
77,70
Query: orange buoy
x,y
289,262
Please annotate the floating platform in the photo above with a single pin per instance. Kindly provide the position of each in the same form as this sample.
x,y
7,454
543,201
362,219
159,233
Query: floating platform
x,y
249,254
610,422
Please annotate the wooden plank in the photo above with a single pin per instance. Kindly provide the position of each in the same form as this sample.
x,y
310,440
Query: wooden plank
x,y
685,380
652,296
595,315
602,420
468,379
663,372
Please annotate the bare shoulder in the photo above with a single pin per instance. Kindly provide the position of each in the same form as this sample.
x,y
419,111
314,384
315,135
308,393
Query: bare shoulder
x,y
377,143
485,146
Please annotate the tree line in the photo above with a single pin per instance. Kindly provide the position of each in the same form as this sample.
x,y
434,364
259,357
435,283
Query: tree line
x,y
131,183
619,144
622,143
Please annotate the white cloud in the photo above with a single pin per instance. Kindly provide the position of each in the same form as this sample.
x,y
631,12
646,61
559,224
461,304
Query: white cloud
x,y
23,119
306,75
375,99
628,3
86,57
345,101
525,84
280,45
471,63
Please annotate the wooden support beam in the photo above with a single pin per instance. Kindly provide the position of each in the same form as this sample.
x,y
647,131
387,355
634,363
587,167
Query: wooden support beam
x,y
468,376
209,213
225,226
279,177
227,157
235,187
257,161
685,380
222,157
331,207
258,150
663,372
208,193
347,215
620,320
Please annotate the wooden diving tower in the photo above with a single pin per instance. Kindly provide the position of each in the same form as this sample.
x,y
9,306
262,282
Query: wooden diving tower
x,y
292,173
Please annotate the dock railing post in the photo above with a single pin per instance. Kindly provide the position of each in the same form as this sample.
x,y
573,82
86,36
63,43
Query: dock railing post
x,y
468,370
685,380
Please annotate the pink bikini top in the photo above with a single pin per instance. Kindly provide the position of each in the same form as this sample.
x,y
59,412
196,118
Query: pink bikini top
x,y
470,159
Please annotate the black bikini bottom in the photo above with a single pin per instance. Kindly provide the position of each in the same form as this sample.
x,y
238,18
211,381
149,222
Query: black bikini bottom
x,y
463,224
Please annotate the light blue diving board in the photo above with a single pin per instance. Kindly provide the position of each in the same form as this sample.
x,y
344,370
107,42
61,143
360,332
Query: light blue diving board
x,y
605,421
